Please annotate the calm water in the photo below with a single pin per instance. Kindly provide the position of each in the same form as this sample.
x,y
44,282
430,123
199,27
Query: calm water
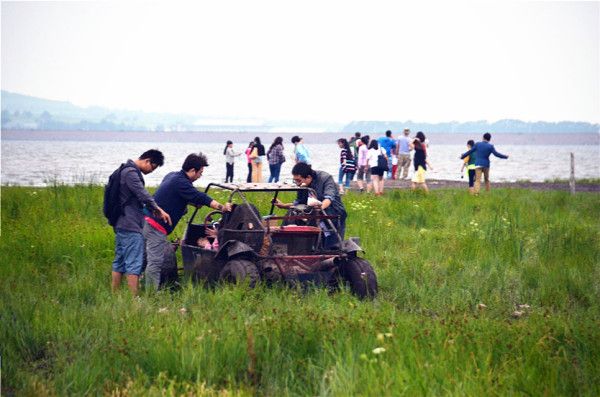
x,y
41,158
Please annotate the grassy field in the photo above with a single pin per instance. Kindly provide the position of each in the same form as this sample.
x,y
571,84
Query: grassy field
x,y
438,257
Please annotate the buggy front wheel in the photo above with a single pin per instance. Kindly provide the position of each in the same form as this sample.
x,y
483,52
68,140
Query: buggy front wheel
x,y
239,271
360,276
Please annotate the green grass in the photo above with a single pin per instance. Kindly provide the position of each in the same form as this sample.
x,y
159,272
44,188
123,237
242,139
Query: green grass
x,y
437,257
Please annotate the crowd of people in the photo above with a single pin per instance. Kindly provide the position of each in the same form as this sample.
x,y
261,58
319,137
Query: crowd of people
x,y
145,221
369,161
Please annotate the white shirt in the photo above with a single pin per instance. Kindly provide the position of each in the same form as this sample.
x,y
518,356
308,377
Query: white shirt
x,y
372,157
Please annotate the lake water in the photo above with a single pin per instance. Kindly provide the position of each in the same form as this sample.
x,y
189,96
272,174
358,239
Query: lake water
x,y
38,158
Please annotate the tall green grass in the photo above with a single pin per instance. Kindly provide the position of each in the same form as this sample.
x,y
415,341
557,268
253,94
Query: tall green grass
x,y
437,257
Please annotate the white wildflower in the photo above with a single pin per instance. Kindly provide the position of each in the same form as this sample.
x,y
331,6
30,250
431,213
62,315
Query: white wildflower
x,y
379,350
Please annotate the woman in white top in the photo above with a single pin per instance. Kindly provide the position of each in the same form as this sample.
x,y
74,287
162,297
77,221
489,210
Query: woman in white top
x,y
376,171
230,156
364,172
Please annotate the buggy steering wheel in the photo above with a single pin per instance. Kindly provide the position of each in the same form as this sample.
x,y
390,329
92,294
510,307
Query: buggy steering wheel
x,y
209,219
301,209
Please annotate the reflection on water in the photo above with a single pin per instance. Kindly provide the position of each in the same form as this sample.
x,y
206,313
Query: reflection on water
x,y
38,163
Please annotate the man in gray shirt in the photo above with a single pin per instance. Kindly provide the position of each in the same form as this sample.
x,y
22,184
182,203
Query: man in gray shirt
x,y
133,197
327,195
403,154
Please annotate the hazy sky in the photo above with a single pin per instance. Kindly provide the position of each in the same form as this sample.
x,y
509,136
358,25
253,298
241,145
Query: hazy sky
x,y
314,60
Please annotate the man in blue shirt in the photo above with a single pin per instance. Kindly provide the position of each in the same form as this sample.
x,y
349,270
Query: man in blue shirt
x,y
482,151
175,192
388,143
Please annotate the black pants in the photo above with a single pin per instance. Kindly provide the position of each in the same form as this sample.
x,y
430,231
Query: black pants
x,y
229,176
249,178
471,178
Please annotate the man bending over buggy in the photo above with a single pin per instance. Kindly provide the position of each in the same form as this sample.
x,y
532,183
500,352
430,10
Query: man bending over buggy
x,y
327,199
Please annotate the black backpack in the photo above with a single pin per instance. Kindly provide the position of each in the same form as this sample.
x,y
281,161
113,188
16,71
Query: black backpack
x,y
382,162
112,204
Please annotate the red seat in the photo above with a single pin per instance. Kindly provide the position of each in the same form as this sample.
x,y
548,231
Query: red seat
x,y
293,229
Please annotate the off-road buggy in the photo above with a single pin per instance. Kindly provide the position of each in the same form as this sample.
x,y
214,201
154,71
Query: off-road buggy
x,y
288,248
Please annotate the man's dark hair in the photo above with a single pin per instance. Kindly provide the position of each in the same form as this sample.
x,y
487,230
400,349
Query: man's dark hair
x,y
155,157
195,161
303,170
388,133
471,142
365,139
357,134
296,139
487,136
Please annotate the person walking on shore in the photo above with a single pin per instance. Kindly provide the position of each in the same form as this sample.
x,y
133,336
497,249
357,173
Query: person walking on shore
x,y
132,197
364,172
469,164
377,171
248,152
276,159
175,193
257,156
420,162
388,144
403,154
230,156
301,154
347,165
353,142
482,151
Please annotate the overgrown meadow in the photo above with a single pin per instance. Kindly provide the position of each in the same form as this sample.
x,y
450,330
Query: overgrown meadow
x,y
452,269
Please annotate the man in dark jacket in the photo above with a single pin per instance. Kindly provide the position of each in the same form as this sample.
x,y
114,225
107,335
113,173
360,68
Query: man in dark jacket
x,y
129,242
175,193
482,151
328,198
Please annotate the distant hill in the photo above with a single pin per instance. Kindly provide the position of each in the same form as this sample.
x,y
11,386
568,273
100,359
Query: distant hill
x,y
22,112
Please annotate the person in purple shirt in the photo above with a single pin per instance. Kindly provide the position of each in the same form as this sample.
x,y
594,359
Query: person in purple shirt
x,y
389,145
175,193
482,151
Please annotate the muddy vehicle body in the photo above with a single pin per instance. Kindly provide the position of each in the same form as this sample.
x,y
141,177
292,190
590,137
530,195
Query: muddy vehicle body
x,y
288,248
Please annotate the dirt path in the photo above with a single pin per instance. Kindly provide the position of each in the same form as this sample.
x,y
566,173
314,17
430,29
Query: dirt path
x,y
448,184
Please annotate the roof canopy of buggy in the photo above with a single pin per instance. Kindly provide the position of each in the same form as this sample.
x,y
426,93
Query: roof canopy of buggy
x,y
258,187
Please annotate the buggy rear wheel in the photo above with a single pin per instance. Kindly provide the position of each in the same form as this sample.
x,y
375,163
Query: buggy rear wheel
x,y
359,274
240,270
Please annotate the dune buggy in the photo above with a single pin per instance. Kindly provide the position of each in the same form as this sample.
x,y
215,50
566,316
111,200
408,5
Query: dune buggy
x,y
243,245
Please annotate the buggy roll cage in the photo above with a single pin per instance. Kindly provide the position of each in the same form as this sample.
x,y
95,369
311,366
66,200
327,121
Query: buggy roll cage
x,y
240,189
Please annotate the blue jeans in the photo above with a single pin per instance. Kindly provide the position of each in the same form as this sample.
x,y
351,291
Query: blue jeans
x,y
341,175
129,252
349,177
275,171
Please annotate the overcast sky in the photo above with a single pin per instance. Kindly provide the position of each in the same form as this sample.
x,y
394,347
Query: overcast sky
x,y
312,60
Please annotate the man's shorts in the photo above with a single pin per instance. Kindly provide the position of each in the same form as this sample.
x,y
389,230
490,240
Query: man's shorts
x,y
129,252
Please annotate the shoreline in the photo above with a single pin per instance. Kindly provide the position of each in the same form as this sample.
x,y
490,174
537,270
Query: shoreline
x,y
435,184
